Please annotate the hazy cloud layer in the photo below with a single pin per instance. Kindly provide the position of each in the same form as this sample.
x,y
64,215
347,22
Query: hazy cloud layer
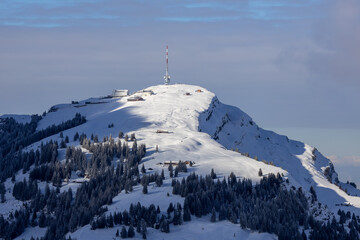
x,y
346,161
347,167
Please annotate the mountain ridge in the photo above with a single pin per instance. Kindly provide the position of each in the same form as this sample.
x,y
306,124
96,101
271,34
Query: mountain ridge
x,y
233,129
226,128
189,123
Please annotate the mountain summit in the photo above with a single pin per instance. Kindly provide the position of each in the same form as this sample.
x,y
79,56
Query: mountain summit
x,y
202,129
188,124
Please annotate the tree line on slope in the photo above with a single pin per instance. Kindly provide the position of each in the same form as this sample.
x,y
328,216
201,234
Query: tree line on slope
x,y
103,155
15,136
265,207
61,212
140,217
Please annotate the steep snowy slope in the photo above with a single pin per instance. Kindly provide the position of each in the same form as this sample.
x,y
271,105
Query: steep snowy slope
x,y
306,166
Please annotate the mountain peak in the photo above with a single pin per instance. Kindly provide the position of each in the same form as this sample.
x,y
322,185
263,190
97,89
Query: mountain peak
x,y
189,123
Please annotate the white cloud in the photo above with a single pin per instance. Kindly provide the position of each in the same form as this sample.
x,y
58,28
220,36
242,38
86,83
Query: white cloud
x,y
346,160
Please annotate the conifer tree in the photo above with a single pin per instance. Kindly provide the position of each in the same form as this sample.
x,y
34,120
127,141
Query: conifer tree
x,y
145,190
76,136
176,172
186,215
159,181
2,192
143,227
171,170
123,233
132,137
143,170
13,179
121,134
162,174
131,232
213,215
164,225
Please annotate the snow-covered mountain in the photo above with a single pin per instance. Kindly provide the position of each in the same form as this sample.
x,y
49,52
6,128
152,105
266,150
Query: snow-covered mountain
x,y
305,165
189,123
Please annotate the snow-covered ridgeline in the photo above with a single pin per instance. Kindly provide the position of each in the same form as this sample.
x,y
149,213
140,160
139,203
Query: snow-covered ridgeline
x,y
306,166
195,118
195,126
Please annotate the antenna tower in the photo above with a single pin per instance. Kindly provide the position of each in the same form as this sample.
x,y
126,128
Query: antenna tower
x,y
167,76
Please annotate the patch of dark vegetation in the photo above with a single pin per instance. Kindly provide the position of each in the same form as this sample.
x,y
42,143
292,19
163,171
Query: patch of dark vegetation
x,y
15,136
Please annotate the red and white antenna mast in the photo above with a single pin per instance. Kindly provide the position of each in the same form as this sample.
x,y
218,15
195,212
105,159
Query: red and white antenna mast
x,y
167,76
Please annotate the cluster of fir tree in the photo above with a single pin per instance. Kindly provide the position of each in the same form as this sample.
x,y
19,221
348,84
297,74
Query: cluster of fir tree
x,y
348,227
32,238
64,212
265,207
141,217
25,190
148,178
47,209
103,154
75,212
47,153
345,229
180,167
15,136
268,188
48,168
130,233
15,224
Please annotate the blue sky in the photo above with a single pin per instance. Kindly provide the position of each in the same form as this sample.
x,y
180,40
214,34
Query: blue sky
x,y
68,13
292,65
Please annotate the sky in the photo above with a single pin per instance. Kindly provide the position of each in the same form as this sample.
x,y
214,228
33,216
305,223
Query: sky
x,y
292,65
